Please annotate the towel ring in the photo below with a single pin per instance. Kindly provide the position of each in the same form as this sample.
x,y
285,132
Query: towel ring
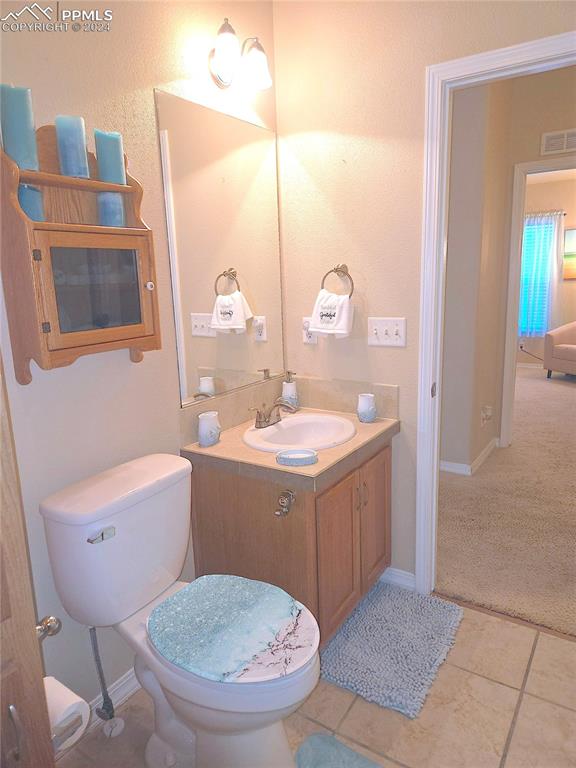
x,y
342,271
231,274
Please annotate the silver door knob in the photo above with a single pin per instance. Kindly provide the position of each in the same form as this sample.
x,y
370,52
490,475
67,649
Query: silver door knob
x,y
48,626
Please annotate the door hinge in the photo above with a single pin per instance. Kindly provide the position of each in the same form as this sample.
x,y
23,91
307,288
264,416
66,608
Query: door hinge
x,y
37,254
46,327
433,390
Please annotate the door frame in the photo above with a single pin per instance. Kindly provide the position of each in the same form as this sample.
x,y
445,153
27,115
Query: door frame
x,y
521,171
441,80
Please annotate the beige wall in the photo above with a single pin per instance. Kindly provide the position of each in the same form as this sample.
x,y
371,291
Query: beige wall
x,y
464,249
350,80
516,113
102,410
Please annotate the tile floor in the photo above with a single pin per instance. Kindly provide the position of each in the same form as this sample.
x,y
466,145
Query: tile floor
x,y
505,697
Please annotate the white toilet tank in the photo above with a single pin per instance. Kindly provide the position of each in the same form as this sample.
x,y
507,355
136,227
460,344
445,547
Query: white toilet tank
x,y
118,539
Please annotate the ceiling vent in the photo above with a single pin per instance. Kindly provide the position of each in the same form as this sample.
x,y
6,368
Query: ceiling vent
x,y
557,142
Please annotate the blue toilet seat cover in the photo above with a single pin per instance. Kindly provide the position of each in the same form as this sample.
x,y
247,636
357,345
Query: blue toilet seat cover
x,y
232,629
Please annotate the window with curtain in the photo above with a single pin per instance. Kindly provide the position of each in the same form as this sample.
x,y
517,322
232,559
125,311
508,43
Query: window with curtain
x,y
539,273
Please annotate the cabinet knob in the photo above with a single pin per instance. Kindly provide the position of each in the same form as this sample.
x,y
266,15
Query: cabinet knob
x,y
150,285
285,501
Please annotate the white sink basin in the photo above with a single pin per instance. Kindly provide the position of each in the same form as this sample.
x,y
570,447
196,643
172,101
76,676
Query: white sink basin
x,y
301,430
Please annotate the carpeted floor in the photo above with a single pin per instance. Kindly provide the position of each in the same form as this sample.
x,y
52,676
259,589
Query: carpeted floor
x,y
507,535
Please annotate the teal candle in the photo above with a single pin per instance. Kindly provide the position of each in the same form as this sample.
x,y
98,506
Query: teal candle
x,y
30,200
17,123
71,136
110,158
111,209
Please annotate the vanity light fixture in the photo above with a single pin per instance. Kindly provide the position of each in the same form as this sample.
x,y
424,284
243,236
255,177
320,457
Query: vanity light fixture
x,y
224,57
226,60
254,64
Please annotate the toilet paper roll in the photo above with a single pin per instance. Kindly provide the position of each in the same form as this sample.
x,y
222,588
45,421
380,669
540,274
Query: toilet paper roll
x,y
64,709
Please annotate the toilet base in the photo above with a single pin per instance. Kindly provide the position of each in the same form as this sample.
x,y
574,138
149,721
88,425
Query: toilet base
x,y
264,748
175,745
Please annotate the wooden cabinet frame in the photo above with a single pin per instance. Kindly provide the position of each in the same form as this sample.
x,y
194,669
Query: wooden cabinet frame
x,y
56,339
327,552
70,207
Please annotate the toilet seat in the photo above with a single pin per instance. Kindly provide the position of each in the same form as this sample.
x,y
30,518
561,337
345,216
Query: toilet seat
x,y
231,696
230,629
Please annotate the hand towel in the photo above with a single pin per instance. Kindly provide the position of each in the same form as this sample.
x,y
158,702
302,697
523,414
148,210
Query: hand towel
x,y
332,315
230,313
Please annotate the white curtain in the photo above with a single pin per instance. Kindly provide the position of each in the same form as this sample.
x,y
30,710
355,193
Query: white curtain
x,y
541,273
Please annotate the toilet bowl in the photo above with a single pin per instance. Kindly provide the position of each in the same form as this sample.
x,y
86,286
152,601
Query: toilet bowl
x,y
224,659
236,724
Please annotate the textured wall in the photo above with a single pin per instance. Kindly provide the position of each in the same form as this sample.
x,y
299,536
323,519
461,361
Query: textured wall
x,y
351,84
350,81
72,422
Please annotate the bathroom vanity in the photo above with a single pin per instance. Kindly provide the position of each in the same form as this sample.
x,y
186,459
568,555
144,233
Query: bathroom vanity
x,y
321,532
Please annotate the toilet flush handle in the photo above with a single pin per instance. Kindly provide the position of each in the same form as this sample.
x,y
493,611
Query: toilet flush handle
x,y
105,533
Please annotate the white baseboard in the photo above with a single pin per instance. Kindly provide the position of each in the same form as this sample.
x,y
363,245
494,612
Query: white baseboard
x,y
483,455
469,469
455,468
120,690
403,579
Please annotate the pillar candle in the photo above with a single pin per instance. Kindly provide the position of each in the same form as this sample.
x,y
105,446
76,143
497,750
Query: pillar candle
x,y
71,135
30,199
17,122
110,158
111,209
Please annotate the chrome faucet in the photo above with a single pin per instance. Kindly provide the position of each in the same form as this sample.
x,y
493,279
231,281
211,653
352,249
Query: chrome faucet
x,y
269,416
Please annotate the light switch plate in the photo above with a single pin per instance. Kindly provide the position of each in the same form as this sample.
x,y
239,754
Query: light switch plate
x,y
201,324
307,337
387,331
259,328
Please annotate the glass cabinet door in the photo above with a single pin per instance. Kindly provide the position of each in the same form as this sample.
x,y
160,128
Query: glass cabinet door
x,y
96,288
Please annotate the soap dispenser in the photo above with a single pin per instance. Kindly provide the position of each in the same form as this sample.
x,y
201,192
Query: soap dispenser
x,y
289,391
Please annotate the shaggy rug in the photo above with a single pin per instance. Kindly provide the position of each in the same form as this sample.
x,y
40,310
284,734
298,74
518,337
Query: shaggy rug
x,y
323,751
507,534
390,647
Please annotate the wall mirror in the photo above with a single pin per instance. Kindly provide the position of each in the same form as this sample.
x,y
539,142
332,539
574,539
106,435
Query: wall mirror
x,y
220,185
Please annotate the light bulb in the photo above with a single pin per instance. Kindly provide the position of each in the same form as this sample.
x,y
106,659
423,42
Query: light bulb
x,y
255,72
225,55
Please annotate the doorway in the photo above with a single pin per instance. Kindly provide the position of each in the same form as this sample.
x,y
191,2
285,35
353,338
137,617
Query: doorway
x,y
505,530
442,82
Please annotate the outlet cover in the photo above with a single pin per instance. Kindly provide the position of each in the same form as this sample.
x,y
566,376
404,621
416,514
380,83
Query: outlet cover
x,y
259,329
387,331
201,324
307,337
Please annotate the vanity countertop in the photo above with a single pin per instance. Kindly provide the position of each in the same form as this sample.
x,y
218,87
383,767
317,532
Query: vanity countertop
x,y
231,454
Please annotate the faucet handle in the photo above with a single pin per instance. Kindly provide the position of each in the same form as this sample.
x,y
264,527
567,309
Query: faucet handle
x,y
265,371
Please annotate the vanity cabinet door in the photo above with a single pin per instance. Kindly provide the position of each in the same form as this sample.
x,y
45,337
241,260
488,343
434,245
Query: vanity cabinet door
x,y
375,517
338,537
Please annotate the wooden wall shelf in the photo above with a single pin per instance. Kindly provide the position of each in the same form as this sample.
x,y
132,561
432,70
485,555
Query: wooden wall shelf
x,y
72,286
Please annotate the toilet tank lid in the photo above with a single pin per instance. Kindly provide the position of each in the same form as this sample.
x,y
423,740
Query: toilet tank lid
x,y
115,489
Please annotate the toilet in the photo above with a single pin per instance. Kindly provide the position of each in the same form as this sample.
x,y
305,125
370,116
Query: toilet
x,y
224,658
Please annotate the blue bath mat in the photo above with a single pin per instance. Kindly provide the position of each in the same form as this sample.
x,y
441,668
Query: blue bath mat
x,y
321,751
389,649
